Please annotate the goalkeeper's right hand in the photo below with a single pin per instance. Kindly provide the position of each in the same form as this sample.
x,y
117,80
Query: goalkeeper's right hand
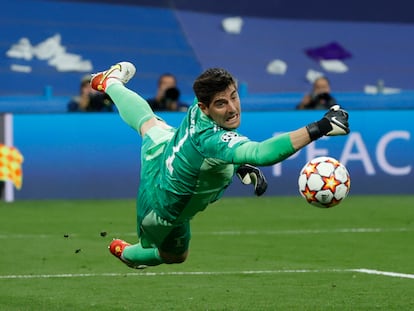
x,y
334,122
249,174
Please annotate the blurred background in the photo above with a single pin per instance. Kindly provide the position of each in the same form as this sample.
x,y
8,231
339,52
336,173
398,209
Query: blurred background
x,y
276,50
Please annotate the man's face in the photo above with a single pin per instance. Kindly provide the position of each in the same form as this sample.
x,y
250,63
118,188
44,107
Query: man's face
x,y
321,86
166,83
224,109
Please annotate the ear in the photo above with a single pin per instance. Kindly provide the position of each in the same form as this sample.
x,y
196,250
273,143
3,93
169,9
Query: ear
x,y
203,108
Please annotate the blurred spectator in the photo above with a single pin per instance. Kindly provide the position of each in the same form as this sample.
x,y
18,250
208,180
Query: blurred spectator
x,y
168,95
320,96
90,100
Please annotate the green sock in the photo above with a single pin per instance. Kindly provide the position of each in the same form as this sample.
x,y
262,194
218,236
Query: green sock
x,y
133,109
138,255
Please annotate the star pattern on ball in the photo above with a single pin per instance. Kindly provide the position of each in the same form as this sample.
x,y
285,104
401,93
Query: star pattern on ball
x,y
330,183
310,169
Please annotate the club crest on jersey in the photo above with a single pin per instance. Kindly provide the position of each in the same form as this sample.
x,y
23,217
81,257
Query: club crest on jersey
x,y
231,138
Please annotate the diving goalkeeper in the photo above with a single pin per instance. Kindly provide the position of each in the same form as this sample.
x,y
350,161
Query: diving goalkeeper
x,y
185,169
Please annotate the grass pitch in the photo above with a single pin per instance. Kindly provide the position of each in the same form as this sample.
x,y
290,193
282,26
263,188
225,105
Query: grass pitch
x,y
269,253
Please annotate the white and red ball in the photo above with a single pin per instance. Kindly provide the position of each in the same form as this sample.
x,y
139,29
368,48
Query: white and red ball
x,y
324,182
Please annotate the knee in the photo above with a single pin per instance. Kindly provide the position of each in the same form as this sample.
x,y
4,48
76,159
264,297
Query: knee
x,y
169,258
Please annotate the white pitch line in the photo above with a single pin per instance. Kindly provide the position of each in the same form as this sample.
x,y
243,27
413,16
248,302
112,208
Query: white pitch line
x,y
190,273
149,273
26,236
308,231
386,273
247,232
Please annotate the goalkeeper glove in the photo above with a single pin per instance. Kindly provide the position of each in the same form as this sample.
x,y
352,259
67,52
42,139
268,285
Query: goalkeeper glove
x,y
334,122
249,174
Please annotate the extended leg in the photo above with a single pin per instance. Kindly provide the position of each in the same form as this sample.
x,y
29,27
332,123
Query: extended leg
x,y
133,109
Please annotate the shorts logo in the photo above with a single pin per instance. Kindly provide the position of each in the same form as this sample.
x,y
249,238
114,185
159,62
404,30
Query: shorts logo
x,y
179,242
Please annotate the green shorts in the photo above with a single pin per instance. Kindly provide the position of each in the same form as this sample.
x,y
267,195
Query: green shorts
x,y
159,233
152,229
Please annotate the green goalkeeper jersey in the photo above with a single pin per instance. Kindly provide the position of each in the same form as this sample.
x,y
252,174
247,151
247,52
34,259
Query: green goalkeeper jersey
x,y
185,169
196,166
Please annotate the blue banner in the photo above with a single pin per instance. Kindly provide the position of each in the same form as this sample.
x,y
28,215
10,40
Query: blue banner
x,y
81,156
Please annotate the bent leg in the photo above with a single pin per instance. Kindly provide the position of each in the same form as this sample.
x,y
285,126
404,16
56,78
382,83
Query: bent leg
x,y
160,242
170,258
137,255
174,248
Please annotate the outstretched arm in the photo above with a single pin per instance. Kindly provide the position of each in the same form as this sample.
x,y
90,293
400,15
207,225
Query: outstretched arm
x,y
276,149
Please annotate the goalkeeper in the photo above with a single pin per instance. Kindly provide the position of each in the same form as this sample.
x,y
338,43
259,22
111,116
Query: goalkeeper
x,y
185,169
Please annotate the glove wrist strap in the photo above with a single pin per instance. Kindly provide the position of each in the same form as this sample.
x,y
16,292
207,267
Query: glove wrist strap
x,y
318,129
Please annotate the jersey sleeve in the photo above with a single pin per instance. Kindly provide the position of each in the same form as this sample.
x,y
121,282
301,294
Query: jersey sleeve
x,y
267,152
222,145
232,147
229,146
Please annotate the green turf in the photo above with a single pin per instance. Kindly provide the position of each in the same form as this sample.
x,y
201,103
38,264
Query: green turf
x,y
246,254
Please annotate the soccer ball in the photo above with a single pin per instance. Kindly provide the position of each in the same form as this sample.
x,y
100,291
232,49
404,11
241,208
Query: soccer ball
x,y
324,182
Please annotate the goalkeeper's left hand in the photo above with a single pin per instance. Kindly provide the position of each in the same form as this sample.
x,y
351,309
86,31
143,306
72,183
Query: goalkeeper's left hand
x,y
334,122
339,121
249,174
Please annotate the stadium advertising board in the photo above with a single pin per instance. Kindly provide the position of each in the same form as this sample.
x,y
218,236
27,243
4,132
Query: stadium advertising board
x,y
98,156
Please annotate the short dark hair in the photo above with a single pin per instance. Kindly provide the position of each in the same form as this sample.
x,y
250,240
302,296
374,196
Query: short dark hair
x,y
211,82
